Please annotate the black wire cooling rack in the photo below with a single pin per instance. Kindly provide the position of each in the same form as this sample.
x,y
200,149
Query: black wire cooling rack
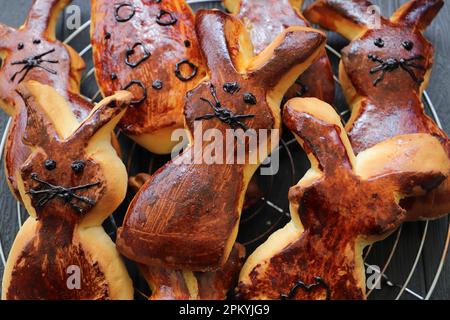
x,y
270,212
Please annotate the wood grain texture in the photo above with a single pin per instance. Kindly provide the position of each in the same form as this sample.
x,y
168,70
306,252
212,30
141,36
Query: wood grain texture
x,y
14,13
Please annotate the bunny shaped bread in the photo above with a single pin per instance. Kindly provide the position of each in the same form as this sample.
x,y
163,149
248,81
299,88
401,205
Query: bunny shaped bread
x,y
265,20
384,72
32,52
186,216
149,48
341,205
68,191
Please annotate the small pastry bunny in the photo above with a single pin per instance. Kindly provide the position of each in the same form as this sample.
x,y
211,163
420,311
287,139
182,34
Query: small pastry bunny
x,y
341,205
187,215
150,48
62,251
265,20
33,53
384,71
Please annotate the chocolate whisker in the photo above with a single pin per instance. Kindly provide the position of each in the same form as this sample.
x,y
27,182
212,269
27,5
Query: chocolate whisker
x,y
33,62
65,193
223,114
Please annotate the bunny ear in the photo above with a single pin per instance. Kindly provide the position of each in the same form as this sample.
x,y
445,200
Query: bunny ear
x,y
222,39
43,16
349,18
291,53
5,33
40,130
319,130
417,14
103,118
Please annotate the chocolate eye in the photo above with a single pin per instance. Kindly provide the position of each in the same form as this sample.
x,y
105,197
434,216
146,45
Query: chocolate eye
x,y
408,45
78,166
249,98
50,164
379,43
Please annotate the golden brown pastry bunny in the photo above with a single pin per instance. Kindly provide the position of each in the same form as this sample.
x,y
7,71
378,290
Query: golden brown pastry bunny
x,y
265,20
384,71
187,215
341,205
32,52
62,251
149,48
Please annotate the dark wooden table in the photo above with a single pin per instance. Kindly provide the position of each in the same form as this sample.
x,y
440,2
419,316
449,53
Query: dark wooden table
x,y
14,12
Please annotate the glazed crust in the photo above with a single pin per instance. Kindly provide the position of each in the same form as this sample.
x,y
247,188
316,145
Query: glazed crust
x,y
265,25
186,216
60,67
68,196
340,206
177,285
153,50
384,72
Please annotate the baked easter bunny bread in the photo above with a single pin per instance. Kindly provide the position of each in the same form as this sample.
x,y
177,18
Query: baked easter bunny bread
x,y
149,48
265,20
341,205
62,251
384,71
33,53
186,216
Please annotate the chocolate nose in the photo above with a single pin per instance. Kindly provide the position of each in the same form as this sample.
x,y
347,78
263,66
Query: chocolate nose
x,y
392,63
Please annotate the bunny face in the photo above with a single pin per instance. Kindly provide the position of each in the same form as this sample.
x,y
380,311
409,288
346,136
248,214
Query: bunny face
x,y
32,52
60,183
392,57
65,174
384,69
388,60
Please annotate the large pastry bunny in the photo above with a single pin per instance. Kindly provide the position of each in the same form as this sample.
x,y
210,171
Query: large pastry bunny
x,y
33,53
62,251
341,205
149,48
186,216
265,20
384,71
